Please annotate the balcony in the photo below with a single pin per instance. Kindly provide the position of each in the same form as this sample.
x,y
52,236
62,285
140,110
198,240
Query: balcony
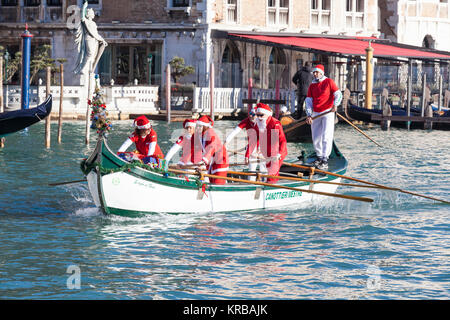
x,y
53,14
8,14
31,14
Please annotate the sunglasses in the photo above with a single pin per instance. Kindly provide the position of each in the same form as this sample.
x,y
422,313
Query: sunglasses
x,y
260,115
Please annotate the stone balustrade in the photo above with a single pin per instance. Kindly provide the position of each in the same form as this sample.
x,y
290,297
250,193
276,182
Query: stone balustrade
x,y
229,100
120,100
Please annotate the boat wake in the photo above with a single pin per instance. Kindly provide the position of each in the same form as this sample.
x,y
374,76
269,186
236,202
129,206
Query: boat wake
x,y
83,204
88,212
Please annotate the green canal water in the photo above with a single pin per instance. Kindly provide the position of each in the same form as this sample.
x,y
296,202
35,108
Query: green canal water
x,y
55,244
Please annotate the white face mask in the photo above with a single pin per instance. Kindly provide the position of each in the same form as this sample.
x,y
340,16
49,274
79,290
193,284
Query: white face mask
x,y
261,122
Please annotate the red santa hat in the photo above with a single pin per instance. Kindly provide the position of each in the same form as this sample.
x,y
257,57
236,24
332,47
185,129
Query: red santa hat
x,y
189,123
319,68
142,122
205,121
264,109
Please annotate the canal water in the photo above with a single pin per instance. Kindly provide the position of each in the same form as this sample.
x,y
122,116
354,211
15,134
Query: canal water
x,y
54,243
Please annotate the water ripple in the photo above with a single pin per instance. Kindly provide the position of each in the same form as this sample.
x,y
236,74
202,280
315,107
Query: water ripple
x,y
395,248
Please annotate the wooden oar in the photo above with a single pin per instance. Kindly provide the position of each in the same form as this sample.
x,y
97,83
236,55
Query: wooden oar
x,y
302,121
277,186
237,164
67,182
366,182
362,181
359,130
302,179
183,166
237,151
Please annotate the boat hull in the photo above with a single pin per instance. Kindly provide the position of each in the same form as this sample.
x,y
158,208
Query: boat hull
x,y
125,194
364,115
17,120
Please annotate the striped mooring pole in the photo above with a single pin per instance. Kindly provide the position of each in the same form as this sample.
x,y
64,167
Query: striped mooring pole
x,y
26,52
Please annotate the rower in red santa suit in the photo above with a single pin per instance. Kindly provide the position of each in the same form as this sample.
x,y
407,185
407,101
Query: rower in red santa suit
x,y
323,96
145,140
272,141
251,153
214,152
190,145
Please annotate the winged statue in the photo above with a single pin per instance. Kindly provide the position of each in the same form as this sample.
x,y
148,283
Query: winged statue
x,y
90,43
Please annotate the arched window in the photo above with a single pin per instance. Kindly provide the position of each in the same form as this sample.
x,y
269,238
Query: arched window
x,y
230,73
277,65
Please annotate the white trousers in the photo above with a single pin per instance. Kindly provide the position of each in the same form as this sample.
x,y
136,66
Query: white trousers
x,y
254,163
322,130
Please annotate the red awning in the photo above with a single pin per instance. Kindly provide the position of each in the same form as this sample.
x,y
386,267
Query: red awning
x,y
346,46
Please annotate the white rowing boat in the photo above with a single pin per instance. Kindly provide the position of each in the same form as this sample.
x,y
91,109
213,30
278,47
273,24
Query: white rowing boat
x,y
123,188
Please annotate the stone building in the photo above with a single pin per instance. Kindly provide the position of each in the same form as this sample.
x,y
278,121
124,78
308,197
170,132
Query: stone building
x,y
419,23
163,29
422,23
144,35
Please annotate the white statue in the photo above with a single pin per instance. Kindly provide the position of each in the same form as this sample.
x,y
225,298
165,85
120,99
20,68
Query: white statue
x,y
90,44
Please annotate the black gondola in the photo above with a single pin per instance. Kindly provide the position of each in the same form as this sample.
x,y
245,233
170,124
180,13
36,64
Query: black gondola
x,y
354,112
17,120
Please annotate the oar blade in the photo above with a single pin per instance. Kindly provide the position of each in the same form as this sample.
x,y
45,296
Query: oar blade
x,y
66,182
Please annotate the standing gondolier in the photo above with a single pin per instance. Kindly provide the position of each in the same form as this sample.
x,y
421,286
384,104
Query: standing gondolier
x,y
302,78
323,95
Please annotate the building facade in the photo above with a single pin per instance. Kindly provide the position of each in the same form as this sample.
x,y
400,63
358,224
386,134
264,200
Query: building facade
x,y
423,23
144,35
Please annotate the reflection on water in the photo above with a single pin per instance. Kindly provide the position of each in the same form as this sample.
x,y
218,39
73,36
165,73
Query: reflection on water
x,y
394,248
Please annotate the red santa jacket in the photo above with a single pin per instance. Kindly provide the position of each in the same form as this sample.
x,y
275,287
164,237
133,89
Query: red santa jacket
x,y
272,141
191,149
142,144
252,135
322,94
214,152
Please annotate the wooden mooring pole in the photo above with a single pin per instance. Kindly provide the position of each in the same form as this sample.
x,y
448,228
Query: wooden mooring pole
x,y
277,97
369,76
211,90
409,93
2,140
61,96
48,119
168,97
424,86
440,99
